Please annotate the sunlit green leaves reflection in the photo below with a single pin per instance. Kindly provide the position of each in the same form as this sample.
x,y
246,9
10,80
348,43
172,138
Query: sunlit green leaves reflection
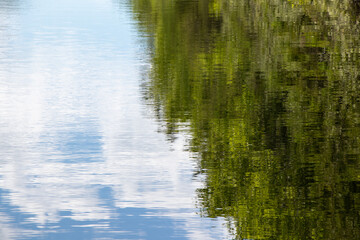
x,y
271,91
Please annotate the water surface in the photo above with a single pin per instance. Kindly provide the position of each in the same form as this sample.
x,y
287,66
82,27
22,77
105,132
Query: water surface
x,y
201,119
269,91
81,156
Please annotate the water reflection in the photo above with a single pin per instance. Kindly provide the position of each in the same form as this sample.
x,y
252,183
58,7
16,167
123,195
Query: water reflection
x,y
271,94
79,159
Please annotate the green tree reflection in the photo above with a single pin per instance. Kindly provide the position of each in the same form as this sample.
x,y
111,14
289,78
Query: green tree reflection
x,y
271,92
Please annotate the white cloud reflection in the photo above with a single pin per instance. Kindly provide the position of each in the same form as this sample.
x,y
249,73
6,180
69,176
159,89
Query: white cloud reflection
x,y
71,124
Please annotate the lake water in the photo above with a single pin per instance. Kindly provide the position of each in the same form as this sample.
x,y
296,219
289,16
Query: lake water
x,y
81,156
202,119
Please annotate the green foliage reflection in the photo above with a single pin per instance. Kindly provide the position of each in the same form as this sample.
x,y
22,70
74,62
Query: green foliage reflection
x,y
271,92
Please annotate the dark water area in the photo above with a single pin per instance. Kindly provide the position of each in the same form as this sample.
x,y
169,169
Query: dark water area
x,y
151,119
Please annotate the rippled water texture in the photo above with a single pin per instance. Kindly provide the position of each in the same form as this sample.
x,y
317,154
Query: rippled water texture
x,y
80,156
202,119
269,91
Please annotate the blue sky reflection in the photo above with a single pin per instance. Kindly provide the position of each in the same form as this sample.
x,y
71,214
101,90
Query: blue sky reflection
x,y
78,157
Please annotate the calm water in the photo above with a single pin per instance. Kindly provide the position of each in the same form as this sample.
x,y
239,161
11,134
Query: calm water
x,y
150,119
81,156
